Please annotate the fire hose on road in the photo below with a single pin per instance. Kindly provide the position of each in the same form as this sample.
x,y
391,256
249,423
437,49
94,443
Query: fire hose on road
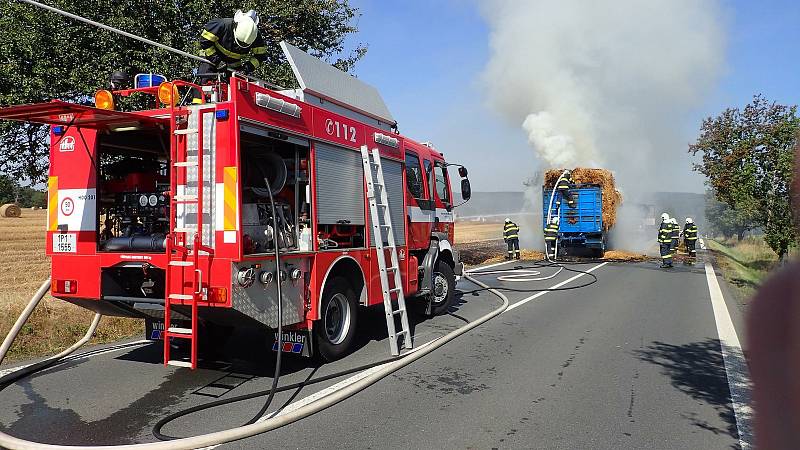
x,y
218,437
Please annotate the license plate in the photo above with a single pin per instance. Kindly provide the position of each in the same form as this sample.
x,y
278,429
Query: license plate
x,y
293,342
65,243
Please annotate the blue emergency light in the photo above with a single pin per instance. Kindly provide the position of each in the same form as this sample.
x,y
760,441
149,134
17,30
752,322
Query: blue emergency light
x,y
145,80
58,130
222,114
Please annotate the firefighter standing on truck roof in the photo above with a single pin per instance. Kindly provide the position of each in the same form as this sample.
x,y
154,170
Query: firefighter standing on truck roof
x,y
690,237
231,43
511,236
665,241
551,237
564,187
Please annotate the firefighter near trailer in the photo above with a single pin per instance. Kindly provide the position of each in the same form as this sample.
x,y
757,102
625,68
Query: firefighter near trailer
x,y
511,238
282,210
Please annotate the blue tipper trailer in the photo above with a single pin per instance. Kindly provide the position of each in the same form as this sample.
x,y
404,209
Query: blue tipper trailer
x,y
580,227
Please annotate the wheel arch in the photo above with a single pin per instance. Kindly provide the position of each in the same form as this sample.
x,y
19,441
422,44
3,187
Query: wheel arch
x,y
346,266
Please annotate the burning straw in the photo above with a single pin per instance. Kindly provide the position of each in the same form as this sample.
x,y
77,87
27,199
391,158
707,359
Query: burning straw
x,y
601,177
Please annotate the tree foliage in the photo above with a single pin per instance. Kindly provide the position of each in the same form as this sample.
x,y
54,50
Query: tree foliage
x,y
46,56
726,221
748,159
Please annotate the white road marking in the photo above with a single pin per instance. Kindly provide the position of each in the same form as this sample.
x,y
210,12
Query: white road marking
x,y
490,266
539,294
735,362
85,355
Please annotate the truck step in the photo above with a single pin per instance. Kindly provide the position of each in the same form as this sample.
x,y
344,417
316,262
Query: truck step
x,y
186,131
179,330
178,363
185,198
185,164
181,263
185,230
181,297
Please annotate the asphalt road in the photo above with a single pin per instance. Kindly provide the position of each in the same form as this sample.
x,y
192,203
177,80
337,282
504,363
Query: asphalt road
x,y
631,361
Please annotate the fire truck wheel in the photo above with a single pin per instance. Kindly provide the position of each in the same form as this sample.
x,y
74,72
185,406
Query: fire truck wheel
x,y
336,329
444,288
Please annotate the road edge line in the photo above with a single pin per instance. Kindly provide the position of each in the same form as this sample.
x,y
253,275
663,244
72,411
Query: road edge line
x,y
735,363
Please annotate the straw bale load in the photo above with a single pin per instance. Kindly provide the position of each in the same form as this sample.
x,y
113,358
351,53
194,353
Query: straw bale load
x,y
10,210
601,177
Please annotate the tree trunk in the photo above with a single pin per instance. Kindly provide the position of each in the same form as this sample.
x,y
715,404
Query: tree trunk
x,y
740,235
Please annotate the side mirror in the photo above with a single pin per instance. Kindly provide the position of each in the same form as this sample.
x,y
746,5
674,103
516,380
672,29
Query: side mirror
x,y
462,172
466,190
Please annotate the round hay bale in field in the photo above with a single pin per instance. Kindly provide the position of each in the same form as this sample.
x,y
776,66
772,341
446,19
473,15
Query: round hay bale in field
x,y
10,210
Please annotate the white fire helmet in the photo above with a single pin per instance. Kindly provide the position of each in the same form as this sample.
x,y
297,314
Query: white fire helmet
x,y
554,220
673,221
508,220
245,29
665,217
689,220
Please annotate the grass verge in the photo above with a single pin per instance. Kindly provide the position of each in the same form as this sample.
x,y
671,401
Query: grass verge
x,y
55,324
745,264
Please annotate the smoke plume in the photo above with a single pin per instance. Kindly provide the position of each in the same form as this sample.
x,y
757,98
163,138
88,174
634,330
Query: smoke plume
x,y
605,83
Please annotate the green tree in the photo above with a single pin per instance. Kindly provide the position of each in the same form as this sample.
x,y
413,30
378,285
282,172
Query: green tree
x,y
748,159
46,56
8,190
725,221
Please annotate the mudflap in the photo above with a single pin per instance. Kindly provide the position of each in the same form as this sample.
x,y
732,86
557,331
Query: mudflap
x,y
298,342
154,329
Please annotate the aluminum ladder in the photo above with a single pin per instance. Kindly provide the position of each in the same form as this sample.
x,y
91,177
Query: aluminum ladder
x,y
382,220
182,258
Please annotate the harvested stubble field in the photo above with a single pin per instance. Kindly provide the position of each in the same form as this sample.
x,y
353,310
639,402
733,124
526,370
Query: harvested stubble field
x,y
55,324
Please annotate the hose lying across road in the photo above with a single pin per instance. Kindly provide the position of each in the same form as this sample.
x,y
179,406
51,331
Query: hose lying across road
x,y
384,368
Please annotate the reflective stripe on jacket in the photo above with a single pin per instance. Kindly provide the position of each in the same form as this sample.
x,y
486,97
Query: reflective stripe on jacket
x,y
217,39
551,232
511,231
665,233
690,232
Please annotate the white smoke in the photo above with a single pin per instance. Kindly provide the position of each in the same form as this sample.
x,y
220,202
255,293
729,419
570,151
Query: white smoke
x,y
605,83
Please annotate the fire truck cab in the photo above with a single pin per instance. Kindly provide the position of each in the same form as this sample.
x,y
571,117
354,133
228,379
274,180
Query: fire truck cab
x,y
172,214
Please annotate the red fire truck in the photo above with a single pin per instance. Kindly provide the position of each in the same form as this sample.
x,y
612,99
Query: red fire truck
x,y
173,213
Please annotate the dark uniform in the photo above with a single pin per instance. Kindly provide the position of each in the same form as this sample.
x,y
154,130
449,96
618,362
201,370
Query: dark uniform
x,y
550,237
690,238
665,243
564,188
218,45
676,234
511,236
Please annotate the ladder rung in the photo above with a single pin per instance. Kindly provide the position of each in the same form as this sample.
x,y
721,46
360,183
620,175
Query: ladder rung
x,y
385,225
186,131
397,289
391,269
175,362
399,311
181,297
398,333
184,230
185,164
179,330
181,263
182,198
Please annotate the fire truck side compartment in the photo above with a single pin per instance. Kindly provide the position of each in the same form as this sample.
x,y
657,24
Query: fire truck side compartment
x,y
340,185
259,301
395,191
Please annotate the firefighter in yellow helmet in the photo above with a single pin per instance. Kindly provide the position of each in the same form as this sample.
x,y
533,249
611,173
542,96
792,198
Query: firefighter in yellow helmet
x,y
511,236
231,43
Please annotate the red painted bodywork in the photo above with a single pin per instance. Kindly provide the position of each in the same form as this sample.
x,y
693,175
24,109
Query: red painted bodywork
x,y
75,170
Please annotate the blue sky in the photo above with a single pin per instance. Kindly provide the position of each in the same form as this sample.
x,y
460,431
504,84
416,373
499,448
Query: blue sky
x,y
426,58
